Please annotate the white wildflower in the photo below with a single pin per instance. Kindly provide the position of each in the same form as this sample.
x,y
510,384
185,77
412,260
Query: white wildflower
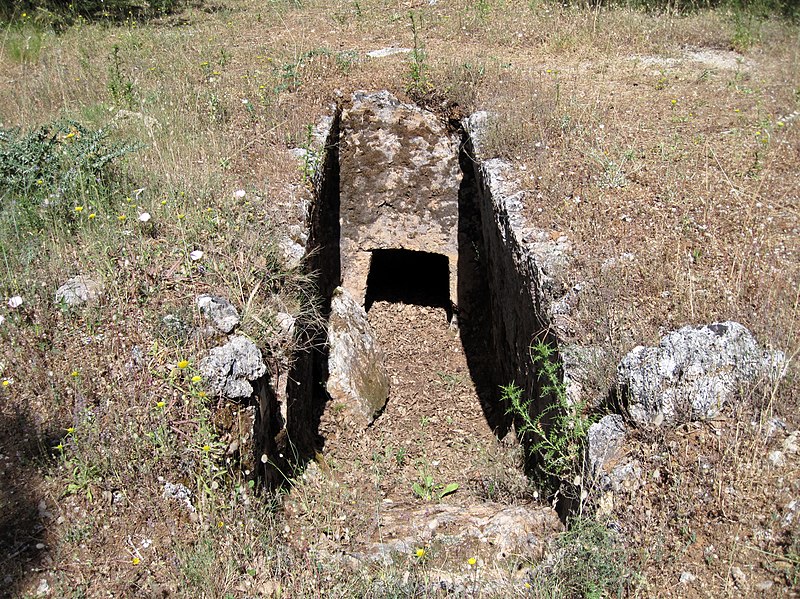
x,y
144,217
239,194
15,302
196,255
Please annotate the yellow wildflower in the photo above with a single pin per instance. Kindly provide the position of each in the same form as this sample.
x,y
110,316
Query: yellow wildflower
x,y
420,553
183,364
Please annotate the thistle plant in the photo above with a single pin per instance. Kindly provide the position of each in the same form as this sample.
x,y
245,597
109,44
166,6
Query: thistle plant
x,y
557,432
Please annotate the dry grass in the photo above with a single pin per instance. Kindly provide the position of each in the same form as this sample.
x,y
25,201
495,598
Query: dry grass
x,y
707,210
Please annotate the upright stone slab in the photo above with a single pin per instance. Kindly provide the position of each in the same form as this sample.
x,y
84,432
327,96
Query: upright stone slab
x,y
399,180
357,378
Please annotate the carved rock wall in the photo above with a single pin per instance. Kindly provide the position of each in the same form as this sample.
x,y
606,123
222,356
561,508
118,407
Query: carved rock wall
x,y
399,180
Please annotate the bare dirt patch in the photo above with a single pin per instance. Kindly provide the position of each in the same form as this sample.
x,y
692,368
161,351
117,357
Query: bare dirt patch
x,y
433,423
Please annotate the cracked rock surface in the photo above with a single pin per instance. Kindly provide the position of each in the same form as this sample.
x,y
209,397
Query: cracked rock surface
x,y
219,311
231,369
693,372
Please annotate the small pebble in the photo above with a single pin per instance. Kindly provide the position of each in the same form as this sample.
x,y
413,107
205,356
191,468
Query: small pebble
x,y
776,458
738,576
687,577
764,585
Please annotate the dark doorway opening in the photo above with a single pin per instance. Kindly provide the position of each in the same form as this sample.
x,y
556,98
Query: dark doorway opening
x,y
409,277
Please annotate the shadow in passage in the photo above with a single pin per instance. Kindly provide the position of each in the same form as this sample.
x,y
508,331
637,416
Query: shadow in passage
x,y
474,303
409,277
306,395
22,448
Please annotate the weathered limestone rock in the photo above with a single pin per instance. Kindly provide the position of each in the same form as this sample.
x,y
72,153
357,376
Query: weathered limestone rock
x,y
180,493
495,530
605,443
230,369
581,363
219,311
693,372
292,246
357,377
399,180
78,290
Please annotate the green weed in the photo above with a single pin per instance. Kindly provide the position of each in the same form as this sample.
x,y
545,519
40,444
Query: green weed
x,y
451,381
419,84
483,8
23,41
559,431
589,562
310,157
429,490
400,456
290,74
120,86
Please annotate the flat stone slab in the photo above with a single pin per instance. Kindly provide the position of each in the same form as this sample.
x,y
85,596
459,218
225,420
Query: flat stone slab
x,y
492,530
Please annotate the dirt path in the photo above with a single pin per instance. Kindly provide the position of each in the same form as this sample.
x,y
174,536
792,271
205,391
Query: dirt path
x,y
433,424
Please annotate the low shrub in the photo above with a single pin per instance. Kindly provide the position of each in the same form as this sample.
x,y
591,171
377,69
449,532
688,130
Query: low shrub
x,y
56,171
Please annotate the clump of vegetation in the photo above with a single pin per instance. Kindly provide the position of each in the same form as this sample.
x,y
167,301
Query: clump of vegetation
x,y
429,490
558,432
419,80
589,562
64,12
761,8
56,171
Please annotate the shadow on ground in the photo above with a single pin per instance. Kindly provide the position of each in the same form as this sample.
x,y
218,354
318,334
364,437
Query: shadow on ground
x,y
23,451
